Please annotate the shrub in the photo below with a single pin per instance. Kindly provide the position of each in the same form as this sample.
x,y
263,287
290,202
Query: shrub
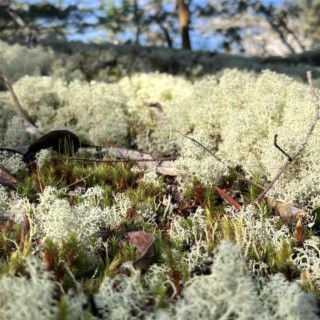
x,y
17,61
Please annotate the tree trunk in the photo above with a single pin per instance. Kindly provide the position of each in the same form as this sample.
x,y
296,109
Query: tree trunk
x,y
137,21
184,20
281,34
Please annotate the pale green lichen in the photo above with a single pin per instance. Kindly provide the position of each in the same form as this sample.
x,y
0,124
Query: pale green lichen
x,y
197,162
230,292
121,297
12,162
96,110
28,297
43,157
17,61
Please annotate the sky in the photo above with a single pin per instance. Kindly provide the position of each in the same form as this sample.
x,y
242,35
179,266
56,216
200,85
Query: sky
x,y
198,42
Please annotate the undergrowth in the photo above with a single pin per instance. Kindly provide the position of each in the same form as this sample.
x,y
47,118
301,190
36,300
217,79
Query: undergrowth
x,y
65,234
109,240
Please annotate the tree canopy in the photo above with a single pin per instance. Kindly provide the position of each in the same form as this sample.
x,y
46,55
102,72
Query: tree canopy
x,y
237,26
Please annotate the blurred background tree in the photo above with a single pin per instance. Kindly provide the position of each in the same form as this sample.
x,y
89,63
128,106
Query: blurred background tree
x,y
309,14
140,22
41,18
246,27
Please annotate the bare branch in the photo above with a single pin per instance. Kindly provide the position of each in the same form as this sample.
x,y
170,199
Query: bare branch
x,y
162,166
304,141
122,160
29,127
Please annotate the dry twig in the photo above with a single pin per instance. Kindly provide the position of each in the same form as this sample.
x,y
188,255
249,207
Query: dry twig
x,y
29,127
7,179
122,160
304,141
248,179
162,166
275,143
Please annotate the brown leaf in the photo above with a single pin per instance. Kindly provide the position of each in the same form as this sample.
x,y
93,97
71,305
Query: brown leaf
x,y
144,243
300,232
288,213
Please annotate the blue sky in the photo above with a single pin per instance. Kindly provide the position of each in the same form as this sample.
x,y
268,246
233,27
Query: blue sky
x,y
209,43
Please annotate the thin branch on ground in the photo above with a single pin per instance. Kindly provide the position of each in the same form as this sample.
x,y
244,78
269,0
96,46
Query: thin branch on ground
x,y
78,181
155,105
122,160
241,176
275,143
304,141
29,127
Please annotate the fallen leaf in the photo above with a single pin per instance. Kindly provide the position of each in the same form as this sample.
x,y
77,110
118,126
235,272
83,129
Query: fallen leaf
x,y
288,213
143,243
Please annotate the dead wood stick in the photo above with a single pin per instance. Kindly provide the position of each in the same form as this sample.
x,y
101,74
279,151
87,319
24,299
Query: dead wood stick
x,y
7,179
122,160
275,143
29,127
221,161
304,141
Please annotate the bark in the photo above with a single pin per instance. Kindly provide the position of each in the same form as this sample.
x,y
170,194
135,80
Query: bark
x,y
137,22
6,179
166,35
184,21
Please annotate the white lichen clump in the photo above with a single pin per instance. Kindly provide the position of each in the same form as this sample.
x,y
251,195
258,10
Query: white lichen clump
x,y
17,61
151,100
254,228
56,219
12,162
194,233
154,87
242,113
121,297
307,259
96,110
43,157
195,161
229,291
237,117
28,298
